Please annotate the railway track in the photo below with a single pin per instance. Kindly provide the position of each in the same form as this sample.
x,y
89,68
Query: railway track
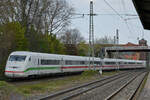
x,y
115,90
76,91
128,91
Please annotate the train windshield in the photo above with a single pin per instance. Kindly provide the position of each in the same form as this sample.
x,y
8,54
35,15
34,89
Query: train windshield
x,y
18,58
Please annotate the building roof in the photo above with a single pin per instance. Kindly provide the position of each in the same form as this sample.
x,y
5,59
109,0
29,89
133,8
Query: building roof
x,y
143,9
129,44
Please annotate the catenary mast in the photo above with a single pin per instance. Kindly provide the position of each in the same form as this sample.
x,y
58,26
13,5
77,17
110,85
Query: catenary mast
x,y
91,35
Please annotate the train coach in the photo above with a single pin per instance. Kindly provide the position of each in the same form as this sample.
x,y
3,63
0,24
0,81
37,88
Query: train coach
x,y
25,64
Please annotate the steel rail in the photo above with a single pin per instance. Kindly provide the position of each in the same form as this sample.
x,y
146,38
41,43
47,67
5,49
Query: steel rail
x,y
132,97
88,89
84,85
122,87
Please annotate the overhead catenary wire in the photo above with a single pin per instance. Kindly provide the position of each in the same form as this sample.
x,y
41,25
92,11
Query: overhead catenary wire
x,y
125,20
123,3
128,27
143,32
131,18
121,15
105,14
113,9
76,17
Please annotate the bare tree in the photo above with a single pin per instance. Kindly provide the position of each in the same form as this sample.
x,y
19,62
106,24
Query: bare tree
x,y
105,40
45,15
71,36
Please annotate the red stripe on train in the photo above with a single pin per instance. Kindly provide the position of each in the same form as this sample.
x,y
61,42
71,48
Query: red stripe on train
x,y
14,71
75,67
68,67
84,67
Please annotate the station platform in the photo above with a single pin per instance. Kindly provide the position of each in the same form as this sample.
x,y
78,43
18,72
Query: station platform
x,y
145,94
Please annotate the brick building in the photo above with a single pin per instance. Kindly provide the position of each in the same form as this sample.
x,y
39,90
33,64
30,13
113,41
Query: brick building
x,y
134,55
129,55
142,42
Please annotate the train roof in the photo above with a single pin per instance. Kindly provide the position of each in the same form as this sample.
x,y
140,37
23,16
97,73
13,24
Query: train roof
x,y
110,59
46,54
69,56
35,53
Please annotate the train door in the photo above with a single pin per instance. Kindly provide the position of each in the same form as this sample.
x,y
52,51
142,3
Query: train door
x,y
35,69
38,65
101,66
29,65
31,70
33,64
61,65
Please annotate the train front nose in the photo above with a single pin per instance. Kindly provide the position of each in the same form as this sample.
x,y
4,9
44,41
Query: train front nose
x,y
14,72
15,65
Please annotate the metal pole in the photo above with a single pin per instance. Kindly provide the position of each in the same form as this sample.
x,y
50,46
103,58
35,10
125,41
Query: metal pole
x,y
117,54
90,38
91,35
92,31
117,36
114,40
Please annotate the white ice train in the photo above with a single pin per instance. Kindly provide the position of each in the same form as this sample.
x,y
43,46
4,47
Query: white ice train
x,y
24,64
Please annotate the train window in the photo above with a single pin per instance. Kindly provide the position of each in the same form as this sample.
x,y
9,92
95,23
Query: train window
x,y
30,59
87,62
17,58
38,62
50,62
82,62
139,63
70,62
125,63
91,62
110,63
43,62
120,62
131,62
97,62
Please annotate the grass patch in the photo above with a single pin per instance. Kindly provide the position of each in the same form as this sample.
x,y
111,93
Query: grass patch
x,y
89,73
110,73
49,86
7,91
29,89
4,86
45,86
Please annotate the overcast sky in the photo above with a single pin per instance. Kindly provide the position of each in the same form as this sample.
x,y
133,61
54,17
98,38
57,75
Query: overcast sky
x,y
105,25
